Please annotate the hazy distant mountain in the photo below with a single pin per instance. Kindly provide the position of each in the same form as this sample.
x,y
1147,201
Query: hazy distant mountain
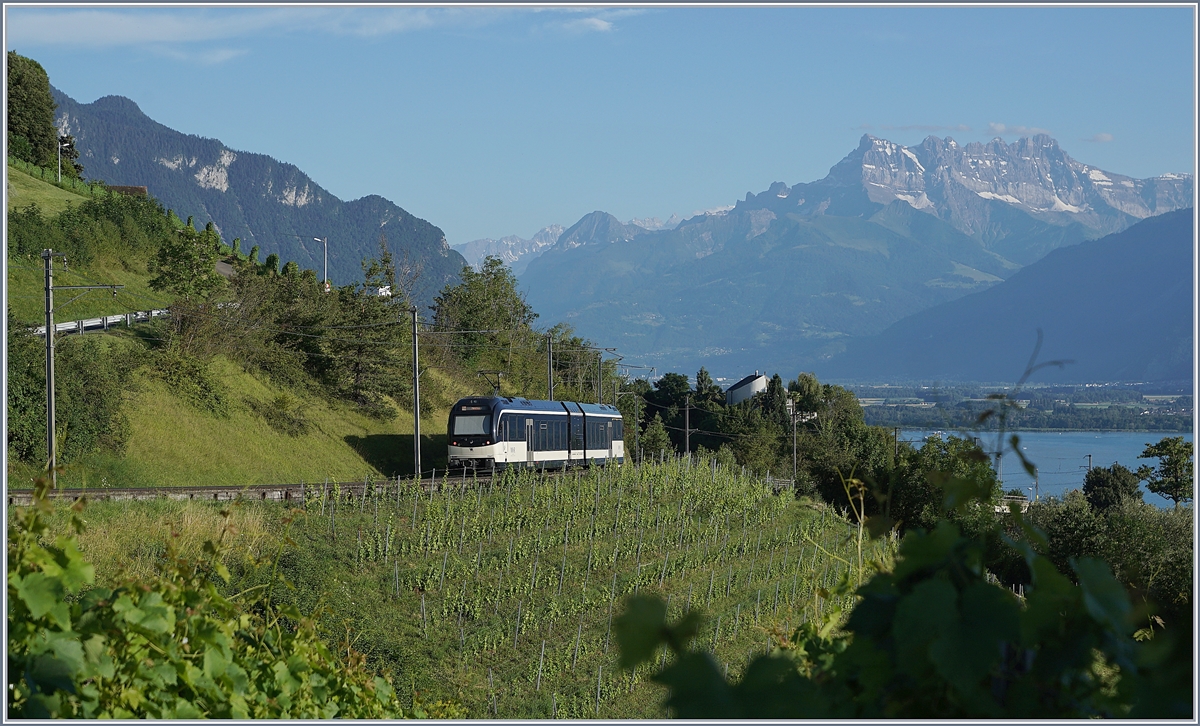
x,y
654,223
263,201
1121,307
790,274
515,251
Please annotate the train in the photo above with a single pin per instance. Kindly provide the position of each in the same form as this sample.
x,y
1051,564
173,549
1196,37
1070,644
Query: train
x,y
494,433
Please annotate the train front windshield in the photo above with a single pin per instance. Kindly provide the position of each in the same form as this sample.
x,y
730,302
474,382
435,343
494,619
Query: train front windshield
x,y
472,425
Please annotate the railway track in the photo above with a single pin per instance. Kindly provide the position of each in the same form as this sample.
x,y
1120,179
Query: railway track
x,y
263,492
278,492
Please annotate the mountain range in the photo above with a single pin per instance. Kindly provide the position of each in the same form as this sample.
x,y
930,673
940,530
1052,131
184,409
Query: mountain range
x,y
1120,308
265,202
518,252
786,277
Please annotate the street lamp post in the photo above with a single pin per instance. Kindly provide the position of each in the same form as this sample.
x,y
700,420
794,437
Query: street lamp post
x,y
60,145
325,272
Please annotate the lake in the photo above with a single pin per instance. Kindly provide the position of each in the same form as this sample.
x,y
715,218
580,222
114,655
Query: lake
x,y
1062,456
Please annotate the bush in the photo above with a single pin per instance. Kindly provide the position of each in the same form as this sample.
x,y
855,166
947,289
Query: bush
x,y
92,376
934,637
190,379
168,647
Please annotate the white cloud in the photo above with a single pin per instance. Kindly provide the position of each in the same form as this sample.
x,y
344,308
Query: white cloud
x,y
1006,130
114,27
205,56
588,24
1101,138
133,26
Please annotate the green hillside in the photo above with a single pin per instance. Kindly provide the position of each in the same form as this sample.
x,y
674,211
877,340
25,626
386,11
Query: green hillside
x,y
25,189
174,443
100,264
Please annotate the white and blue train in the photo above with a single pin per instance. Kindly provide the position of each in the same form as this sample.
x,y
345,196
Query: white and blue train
x,y
493,433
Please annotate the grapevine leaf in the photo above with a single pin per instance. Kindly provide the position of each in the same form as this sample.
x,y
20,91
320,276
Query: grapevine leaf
x,y
1105,599
697,688
640,629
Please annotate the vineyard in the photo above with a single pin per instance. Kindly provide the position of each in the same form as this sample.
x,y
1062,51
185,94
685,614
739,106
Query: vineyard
x,y
501,594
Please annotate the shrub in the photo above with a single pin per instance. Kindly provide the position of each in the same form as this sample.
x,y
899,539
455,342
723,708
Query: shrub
x,y
170,646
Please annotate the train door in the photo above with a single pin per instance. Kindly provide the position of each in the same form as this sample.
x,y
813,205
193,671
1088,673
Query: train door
x,y
529,441
610,440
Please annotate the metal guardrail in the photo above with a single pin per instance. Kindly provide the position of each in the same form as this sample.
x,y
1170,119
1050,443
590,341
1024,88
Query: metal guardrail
x,y
1008,499
102,323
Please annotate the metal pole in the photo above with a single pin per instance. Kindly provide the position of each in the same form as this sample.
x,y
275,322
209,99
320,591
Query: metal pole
x,y
48,256
794,470
416,399
687,424
549,368
325,272
599,378
59,145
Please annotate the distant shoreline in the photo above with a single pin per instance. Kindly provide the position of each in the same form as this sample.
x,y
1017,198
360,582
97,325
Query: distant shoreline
x,y
1044,431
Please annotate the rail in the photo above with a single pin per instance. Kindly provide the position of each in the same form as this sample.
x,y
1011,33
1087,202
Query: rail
x,y
263,492
102,323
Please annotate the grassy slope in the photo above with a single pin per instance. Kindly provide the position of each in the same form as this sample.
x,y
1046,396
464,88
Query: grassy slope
x,y
26,276
174,444
24,190
511,556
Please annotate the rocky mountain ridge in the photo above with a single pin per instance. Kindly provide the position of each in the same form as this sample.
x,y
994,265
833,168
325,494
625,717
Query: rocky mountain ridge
x,y
265,202
517,252
978,187
793,273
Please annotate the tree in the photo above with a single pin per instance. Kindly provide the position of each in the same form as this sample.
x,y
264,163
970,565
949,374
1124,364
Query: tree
x,y
655,440
707,391
806,392
487,300
1172,478
916,496
71,169
1107,487
31,132
186,264
366,341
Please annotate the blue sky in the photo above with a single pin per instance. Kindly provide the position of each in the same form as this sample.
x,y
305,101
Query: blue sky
x,y
494,121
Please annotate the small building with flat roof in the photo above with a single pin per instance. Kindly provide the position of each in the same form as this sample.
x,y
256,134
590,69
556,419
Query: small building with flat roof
x,y
745,389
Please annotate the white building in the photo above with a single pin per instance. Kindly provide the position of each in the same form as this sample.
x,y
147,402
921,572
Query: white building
x,y
745,389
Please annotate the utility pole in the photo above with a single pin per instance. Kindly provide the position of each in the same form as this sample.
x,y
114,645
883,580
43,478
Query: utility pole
x,y
51,444
549,367
51,459
1089,457
687,425
791,409
896,431
599,378
416,399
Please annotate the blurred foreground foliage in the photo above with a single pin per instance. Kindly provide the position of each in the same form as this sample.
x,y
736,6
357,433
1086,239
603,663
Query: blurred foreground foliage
x,y
170,646
935,635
